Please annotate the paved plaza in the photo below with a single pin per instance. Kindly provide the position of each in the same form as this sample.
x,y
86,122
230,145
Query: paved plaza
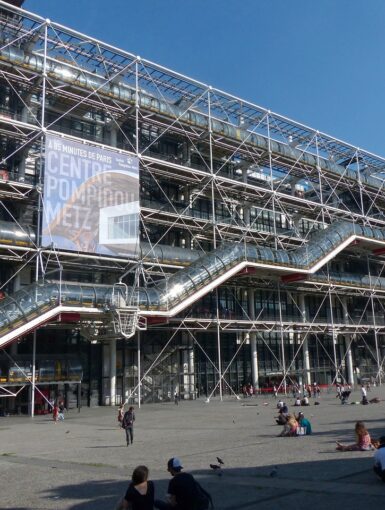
x,y
83,462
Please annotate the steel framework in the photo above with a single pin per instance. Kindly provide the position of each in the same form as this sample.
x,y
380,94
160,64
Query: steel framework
x,y
215,171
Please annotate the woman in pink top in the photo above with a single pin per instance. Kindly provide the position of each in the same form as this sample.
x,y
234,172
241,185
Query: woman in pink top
x,y
364,442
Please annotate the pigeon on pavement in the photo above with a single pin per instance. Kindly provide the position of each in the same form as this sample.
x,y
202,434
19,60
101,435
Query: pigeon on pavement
x,y
274,472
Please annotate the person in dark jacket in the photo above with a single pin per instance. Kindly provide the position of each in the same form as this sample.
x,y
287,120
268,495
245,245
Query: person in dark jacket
x,y
182,489
283,413
140,492
379,459
128,424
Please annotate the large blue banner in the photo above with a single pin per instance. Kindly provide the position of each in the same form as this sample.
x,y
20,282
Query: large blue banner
x,y
91,199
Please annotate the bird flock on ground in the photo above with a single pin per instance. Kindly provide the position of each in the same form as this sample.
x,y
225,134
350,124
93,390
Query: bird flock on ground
x,y
218,467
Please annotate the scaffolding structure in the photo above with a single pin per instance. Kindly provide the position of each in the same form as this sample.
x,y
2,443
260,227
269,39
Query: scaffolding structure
x,y
262,240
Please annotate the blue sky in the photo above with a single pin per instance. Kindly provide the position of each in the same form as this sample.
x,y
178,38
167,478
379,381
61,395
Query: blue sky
x,y
318,62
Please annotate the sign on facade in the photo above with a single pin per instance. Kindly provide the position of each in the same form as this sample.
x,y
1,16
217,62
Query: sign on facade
x,y
91,199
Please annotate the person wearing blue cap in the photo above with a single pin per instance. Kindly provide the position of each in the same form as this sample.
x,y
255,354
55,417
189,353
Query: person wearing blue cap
x,y
183,490
379,459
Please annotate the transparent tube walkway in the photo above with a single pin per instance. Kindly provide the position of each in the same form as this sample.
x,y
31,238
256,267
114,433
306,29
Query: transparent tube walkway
x,y
42,302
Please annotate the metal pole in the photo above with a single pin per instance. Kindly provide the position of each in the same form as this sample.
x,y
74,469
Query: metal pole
x,y
214,242
376,339
334,338
348,341
253,339
39,210
219,354
137,106
44,84
33,374
360,183
283,360
372,290
305,343
282,341
139,370
320,180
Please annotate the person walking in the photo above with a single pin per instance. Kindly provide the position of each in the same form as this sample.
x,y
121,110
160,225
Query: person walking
x,y
120,414
55,412
128,424
61,410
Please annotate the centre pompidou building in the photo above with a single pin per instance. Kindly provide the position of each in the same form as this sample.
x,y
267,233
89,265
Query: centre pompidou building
x,y
160,236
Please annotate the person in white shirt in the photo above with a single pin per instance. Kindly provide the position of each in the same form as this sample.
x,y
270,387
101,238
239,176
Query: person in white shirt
x,y
280,404
364,397
379,459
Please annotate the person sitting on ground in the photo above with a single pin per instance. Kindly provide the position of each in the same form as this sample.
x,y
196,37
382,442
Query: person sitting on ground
x,y
281,419
297,402
345,394
305,401
364,442
364,400
140,492
290,427
280,404
304,423
379,459
184,492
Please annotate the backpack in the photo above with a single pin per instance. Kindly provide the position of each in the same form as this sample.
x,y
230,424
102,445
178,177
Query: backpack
x,y
203,500
128,419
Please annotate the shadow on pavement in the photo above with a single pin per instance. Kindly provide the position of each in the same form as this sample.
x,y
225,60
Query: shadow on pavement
x,y
347,481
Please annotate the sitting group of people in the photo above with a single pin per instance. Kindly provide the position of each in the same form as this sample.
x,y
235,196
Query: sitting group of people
x,y
292,425
296,426
184,492
302,402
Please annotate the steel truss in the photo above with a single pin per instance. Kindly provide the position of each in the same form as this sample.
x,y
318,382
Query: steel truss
x,y
206,180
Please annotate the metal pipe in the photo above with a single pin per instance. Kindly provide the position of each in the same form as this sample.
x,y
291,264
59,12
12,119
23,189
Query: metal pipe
x,y
79,77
